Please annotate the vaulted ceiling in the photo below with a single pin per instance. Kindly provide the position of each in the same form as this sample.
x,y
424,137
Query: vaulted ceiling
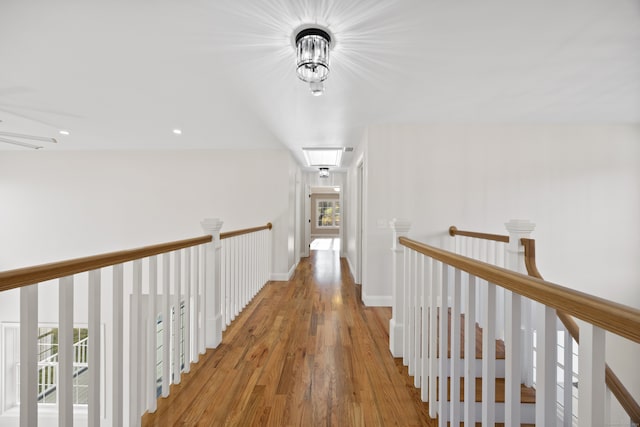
x,y
123,74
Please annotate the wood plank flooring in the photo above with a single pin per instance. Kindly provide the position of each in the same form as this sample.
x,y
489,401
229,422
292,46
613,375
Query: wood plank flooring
x,y
303,353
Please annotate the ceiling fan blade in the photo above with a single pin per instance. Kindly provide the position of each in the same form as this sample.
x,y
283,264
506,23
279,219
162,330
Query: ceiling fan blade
x,y
14,113
32,137
39,110
22,144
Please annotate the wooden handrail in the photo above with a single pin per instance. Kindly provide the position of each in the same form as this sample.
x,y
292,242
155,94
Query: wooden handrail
x,y
618,389
617,318
28,276
453,231
229,234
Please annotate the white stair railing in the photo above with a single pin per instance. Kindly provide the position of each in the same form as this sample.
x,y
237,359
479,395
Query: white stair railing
x,y
429,282
166,308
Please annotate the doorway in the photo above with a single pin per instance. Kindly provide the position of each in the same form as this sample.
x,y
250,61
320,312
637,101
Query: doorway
x,y
325,218
359,222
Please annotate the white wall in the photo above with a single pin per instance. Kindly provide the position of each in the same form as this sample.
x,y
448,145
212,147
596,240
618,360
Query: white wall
x,y
579,184
352,211
62,205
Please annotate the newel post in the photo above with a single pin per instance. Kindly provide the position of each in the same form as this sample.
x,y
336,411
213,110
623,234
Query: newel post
x,y
519,229
400,228
212,284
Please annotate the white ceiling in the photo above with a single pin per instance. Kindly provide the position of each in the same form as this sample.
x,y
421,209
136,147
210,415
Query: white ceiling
x,y
122,74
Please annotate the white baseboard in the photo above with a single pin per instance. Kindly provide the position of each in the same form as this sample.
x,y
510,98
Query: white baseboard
x,y
283,277
376,300
351,268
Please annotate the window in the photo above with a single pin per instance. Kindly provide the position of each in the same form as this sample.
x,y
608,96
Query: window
x,y
48,369
328,213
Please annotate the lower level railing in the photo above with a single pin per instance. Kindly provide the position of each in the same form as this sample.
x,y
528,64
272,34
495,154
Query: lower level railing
x,y
151,312
432,285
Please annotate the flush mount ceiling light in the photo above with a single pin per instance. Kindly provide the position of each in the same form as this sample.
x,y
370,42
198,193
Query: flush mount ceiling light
x,y
312,57
323,156
324,172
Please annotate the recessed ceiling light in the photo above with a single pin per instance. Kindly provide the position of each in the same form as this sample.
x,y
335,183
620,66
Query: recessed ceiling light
x,y
64,132
177,131
336,189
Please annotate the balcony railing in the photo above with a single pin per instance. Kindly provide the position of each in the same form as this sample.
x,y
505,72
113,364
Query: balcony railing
x,y
194,286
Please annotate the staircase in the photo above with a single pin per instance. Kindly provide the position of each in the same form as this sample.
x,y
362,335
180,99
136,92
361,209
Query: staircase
x,y
527,394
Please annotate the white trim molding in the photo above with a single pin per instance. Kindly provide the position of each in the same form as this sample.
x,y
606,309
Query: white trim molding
x,y
284,277
376,300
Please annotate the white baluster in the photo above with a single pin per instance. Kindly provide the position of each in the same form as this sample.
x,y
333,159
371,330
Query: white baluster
x,y
245,270
425,275
513,361
194,297
201,298
238,277
230,279
498,258
406,280
187,311
254,264
241,273
152,338
177,318
29,356
117,351
455,361
489,357
134,345
444,344
263,256
546,366
166,324
224,289
412,313
94,311
400,228
65,351
591,386
432,281
417,319
470,352
475,254
568,379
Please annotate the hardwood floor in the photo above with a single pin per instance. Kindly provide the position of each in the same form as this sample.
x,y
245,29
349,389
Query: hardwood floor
x,y
303,353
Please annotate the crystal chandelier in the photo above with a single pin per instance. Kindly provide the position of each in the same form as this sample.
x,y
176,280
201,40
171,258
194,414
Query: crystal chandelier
x,y
312,58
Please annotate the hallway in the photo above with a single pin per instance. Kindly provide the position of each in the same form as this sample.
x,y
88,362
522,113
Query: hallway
x,y
303,353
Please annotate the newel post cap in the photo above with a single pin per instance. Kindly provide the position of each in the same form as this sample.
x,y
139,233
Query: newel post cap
x,y
212,226
400,225
520,226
